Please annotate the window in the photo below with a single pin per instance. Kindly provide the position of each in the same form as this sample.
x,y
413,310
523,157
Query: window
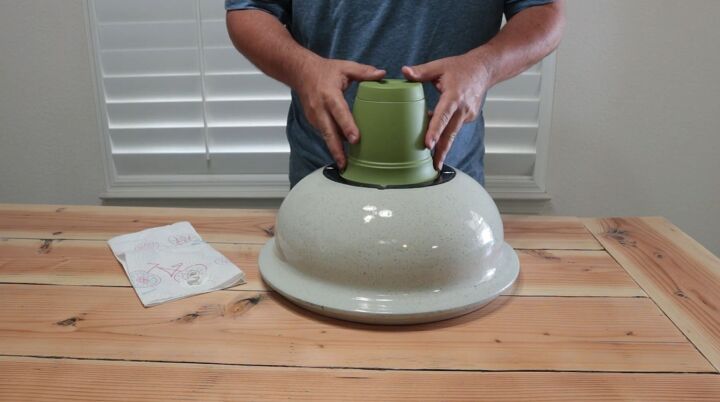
x,y
185,115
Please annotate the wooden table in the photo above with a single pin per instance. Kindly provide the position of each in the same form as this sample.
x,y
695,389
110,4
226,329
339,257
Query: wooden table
x,y
604,309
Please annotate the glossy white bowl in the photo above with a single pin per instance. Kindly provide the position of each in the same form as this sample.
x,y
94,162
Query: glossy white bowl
x,y
389,256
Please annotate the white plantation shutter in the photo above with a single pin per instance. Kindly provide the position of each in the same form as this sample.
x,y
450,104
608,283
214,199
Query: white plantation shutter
x,y
185,115
517,127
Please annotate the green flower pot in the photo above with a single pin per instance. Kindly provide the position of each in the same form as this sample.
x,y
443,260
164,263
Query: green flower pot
x,y
392,118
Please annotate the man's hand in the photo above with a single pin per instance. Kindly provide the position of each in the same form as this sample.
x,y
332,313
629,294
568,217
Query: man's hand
x,y
320,83
462,82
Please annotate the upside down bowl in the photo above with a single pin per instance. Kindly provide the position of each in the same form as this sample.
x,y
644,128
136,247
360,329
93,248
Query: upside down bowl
x,y
392,255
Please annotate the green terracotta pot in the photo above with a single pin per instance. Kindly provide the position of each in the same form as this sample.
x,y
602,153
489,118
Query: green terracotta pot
x,y
392,118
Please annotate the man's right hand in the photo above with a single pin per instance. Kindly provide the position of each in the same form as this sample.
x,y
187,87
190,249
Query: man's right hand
x,y
320,83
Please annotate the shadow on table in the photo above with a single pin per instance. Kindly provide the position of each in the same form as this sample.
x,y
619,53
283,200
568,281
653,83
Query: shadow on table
x,y
487,310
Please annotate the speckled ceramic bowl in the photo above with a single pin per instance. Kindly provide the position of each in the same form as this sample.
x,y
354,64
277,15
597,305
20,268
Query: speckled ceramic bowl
x,y
389,255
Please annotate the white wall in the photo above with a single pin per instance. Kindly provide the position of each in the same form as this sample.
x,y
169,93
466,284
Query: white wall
x,y
636,124
636,119
49,145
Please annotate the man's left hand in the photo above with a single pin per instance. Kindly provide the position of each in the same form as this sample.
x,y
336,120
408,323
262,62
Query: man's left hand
x,y
462,81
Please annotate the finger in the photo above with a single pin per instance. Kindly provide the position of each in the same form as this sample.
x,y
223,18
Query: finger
x,y
447,139
362,72
444,110
423,72
332,139
343,118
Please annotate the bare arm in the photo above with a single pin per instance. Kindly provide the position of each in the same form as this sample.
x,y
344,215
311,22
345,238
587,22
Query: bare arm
x,y
528,37
319,82
268,44
463,80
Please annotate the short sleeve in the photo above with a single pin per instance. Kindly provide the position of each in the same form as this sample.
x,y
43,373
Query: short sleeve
x,y
282,9
513,7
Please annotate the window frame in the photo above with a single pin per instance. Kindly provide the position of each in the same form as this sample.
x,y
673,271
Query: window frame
x,y
502,188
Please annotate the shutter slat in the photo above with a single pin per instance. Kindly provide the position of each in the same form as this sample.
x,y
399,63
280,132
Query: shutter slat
x,y
195,163
140,10
150,62
269,112
511,112
242,139
212,9
249,163
143,89
160,163
506,137
223,60
215,33
148,35
155,140
524,86
509,164
244,86
155,114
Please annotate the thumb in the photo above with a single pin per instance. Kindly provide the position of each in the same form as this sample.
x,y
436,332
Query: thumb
x,y
422,72
363,72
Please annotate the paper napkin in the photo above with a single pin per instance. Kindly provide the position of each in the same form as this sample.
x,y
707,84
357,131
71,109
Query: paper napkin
x,y
172,262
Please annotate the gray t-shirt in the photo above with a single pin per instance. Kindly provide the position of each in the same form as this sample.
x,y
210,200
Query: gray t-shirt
x,y
388,35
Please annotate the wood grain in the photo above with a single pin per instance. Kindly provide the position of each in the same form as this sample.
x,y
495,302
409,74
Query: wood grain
x,y
102,223
90,262
32,379
680,275
548,232
513,333
238,225
572,273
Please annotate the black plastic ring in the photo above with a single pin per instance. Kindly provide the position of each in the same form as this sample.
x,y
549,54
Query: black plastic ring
x,y
333,173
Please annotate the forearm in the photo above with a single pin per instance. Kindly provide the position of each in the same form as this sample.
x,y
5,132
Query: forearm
x,y
526,38
263,40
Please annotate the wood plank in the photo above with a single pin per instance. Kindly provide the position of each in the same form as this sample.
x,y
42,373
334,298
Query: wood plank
x,y
572,273
33,379
102,222
238,225
91,262
547,232
678,273
513,333
83,262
